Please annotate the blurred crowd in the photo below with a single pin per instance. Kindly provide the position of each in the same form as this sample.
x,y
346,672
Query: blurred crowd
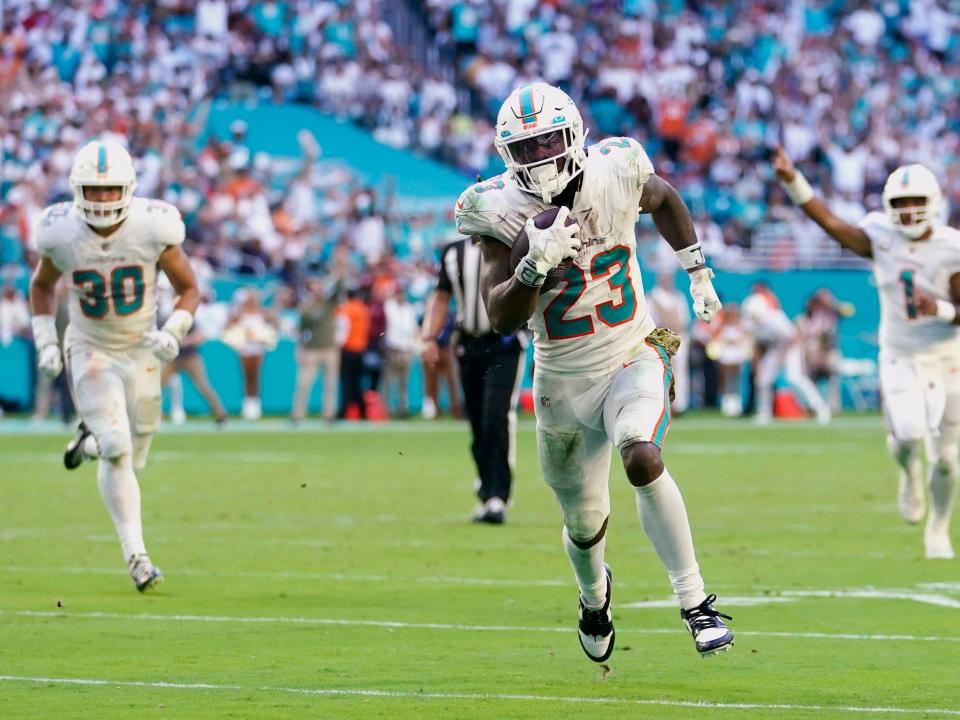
x,y
850,88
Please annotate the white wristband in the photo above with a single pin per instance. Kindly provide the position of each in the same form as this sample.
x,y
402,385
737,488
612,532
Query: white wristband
x,y
691,258
798,189
946,311
526,273
44,331
179,324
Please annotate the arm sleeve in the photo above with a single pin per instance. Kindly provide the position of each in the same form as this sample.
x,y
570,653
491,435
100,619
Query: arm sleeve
x,y
170,229
444,281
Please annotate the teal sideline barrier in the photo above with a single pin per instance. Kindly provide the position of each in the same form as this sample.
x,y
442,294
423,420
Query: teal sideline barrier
x,y
857,340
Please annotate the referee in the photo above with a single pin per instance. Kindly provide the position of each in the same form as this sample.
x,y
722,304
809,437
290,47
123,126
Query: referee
x,y
490,373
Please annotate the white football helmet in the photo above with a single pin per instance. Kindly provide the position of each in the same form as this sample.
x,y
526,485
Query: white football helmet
x,y
529,116
913,181
103,163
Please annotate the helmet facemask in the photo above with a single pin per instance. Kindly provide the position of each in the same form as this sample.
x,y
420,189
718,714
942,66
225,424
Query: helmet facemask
x,y
544,176
104,214
915,182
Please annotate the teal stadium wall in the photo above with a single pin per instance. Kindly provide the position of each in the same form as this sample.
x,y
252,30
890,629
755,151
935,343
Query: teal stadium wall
x,y
858,340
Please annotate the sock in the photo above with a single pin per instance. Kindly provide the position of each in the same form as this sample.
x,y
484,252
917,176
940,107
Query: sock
x,y
121,495
943,493
175,386
588,568
664,520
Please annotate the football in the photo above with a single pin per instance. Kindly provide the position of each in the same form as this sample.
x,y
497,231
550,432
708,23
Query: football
x,y
521,245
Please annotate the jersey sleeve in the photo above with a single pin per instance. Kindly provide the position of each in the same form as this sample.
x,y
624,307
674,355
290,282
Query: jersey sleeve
x,y
481,210
169,227
630,160
48,232
873,225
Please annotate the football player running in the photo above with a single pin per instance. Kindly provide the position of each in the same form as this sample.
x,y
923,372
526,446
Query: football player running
x,y
110,245
603,371
916,265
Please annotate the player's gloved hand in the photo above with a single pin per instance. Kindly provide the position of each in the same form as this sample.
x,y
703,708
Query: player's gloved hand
x,y
50,361
549,247
162,344
49,358
706,304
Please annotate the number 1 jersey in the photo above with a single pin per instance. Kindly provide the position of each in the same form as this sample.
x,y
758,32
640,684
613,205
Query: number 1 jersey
x,y
112,280
596,317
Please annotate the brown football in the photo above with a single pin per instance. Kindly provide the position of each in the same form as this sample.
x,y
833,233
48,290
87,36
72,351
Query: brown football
x,y
521,245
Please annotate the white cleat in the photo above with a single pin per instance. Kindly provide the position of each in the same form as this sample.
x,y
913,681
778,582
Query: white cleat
x,y
911,499
705,624
938,546
144,573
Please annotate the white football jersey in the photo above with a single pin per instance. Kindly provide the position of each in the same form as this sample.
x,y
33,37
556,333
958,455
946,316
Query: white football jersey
x,y
899,262
597,316
112,280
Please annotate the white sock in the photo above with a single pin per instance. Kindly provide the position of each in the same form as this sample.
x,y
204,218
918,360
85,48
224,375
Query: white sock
x,y
588,568
175,386
664,519
121,495
943,493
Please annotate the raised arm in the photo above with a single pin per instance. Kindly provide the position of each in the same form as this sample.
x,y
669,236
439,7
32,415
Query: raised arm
x,y
799,190
509,301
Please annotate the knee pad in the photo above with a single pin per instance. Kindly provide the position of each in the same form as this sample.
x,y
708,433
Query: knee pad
x,y
585,529
903,451
146,415
114,444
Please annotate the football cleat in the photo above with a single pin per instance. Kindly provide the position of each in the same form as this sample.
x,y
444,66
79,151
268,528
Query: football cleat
x,y
145,574
596,626
938,546
911,499
74,454
706,626
493,512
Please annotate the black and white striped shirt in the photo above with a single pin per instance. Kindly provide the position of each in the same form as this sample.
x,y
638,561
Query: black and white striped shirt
x,y
460,276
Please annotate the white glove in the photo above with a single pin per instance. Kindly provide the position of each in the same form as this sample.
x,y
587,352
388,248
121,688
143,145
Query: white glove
x,y
162,344
549,247
706,304
50,361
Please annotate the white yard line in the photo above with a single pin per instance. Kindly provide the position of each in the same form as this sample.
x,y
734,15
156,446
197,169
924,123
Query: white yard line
x,y
398,625
483,697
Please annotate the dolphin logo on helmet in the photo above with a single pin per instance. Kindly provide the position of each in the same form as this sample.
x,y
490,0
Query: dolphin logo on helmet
x,y
103,163
534,114
913,181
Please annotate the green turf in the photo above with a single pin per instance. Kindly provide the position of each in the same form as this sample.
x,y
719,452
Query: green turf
x,y
319,538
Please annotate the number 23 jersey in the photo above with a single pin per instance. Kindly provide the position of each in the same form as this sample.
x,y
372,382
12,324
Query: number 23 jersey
x,y
112,280
596,317
899,262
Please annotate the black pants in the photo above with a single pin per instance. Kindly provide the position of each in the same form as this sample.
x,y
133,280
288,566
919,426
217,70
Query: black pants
x,y
489,366
351,382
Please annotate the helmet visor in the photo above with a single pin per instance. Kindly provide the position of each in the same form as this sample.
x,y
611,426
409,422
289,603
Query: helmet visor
x,y
539,148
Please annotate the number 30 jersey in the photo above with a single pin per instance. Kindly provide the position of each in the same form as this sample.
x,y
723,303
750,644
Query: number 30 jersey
x,y
112,280
596,317
899,266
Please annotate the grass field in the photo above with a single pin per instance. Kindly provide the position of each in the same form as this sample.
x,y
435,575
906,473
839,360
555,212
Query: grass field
x,y
334,574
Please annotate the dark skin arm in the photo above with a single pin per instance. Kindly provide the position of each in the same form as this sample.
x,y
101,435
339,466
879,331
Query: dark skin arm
x,y
670,214
509,302
849,236
175,264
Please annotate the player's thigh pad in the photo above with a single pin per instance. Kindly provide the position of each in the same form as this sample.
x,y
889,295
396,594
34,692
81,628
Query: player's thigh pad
x,y
637,406
906,398
98,380
143,392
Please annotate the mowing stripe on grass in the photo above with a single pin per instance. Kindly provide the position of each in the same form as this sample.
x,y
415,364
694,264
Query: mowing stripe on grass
x,y
395,624
398,694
